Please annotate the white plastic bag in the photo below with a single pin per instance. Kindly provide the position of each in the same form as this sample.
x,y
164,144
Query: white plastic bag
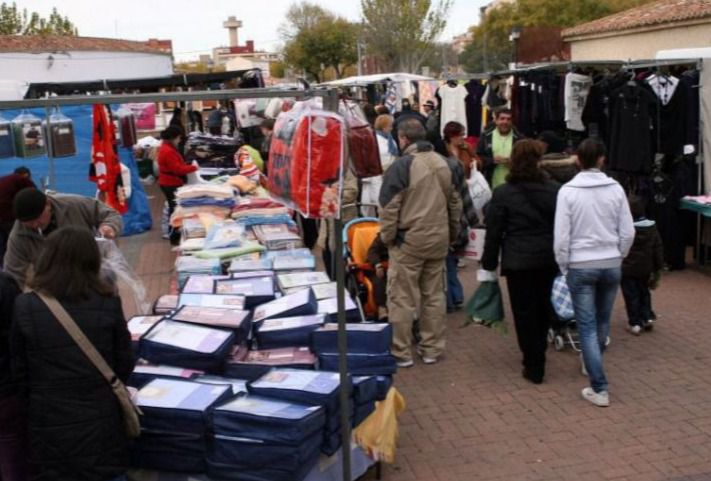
x,y
130,287
479,191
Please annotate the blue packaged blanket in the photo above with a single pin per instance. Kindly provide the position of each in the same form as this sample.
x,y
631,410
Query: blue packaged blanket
x,y
178,406
268,419
363,338
144,373
253,454
212,300
288,331
384,385
163,451
383,364
330,308
239,386
301,386
237,320
299,252
187,345
256,291
302,303
263,264
256,364
362,412
265,473
365,389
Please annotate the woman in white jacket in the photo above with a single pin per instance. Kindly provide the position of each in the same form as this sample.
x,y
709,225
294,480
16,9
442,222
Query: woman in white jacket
x,y
388,153
593,233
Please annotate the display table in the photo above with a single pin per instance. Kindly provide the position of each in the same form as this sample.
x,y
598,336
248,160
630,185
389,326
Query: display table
x,y
703,211
327,469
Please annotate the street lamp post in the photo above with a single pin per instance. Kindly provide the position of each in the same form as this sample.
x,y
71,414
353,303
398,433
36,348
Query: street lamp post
x,y
514,37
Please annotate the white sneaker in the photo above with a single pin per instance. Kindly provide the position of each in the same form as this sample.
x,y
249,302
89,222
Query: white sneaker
x,y
649,325
405,364
427,359
583,371
635,330
599,399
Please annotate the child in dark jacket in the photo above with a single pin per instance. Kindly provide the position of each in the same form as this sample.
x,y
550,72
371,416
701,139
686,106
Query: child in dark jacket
x,y
377,256
641,270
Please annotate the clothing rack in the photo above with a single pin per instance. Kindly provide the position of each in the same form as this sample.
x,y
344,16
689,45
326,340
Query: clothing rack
x,y
330,102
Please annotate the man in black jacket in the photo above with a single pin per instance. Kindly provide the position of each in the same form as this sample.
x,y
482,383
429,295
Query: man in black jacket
x,y
503,128
13,436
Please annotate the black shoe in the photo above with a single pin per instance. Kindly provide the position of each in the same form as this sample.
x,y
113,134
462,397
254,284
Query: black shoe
x,y
535,379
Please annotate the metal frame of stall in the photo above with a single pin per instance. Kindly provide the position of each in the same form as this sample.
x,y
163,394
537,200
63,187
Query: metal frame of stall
x,y
330,102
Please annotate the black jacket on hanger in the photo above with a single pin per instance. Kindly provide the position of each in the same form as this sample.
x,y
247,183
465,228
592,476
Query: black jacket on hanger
x,y
633,113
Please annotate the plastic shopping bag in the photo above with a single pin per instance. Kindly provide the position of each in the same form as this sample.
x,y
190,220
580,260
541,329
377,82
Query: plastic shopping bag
x,y
486,306
479,191
130,287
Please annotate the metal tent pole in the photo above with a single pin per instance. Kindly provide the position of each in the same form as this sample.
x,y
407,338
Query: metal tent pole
x,y
50,148
331,103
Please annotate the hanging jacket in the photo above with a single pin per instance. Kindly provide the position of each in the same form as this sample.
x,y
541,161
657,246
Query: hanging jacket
x,y
75,423
171,166
592,220
646,255
421,206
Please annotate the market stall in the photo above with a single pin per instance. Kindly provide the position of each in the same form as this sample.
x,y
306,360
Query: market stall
x,y
246,302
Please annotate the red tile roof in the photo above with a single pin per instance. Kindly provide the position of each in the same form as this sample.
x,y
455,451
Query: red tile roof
x,y
649,15
56,43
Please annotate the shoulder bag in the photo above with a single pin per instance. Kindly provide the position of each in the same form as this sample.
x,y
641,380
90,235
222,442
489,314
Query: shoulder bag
x,y
131,412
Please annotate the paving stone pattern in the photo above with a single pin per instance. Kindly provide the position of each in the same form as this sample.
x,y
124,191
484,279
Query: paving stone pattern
x,y
473,417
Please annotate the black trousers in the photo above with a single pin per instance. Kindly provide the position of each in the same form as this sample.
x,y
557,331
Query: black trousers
x,y
169,193
638,300
530,294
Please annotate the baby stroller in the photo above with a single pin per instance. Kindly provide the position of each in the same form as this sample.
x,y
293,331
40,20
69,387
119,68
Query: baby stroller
x,y
563,331
358,235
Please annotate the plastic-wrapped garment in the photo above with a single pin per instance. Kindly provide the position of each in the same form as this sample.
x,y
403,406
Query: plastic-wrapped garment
x,y
205,190
129,285
7,146
60,131
138,217
225,234
306,160
362,143
29,135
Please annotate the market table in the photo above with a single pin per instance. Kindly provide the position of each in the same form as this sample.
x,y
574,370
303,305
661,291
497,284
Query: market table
x,y
327,469
703,211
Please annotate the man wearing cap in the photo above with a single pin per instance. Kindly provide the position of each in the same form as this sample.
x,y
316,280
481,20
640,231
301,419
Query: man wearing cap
x,y
427,108
38,215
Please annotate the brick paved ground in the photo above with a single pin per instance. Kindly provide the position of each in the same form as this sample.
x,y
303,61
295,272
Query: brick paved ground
x,y
472,417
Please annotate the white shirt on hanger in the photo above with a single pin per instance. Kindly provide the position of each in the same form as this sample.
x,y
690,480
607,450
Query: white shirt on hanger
x,y
453,107
664,86
577,88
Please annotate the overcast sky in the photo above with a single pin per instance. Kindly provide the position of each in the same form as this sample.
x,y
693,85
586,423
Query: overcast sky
x,y
195,26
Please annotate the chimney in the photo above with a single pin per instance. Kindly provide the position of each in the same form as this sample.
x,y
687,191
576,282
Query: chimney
x,y
233,25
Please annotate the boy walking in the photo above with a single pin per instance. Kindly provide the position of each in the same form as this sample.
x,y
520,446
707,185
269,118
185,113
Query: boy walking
x,y
641,270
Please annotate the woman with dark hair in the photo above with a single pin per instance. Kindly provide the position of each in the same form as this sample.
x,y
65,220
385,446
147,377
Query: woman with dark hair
x,y
461,161
75,423
519,226
556,162
172,170
594,232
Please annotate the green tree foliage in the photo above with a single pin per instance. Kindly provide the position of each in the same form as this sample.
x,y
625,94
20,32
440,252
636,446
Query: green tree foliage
x,y
316,39
402,33
14,21
492,35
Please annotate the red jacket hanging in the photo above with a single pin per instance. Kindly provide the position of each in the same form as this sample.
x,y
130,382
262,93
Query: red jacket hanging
x,y
105,168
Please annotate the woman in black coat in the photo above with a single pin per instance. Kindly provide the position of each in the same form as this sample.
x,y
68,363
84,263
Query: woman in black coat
x,y
75,423
519,225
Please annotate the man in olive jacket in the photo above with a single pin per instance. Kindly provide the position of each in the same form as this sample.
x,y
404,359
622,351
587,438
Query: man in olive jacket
x,y
420,215
38,215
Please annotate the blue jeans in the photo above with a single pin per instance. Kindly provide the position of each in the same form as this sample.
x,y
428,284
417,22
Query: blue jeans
x,y
455,291
593,292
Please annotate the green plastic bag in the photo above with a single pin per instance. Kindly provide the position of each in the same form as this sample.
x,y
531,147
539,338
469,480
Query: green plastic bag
x,y
486,307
